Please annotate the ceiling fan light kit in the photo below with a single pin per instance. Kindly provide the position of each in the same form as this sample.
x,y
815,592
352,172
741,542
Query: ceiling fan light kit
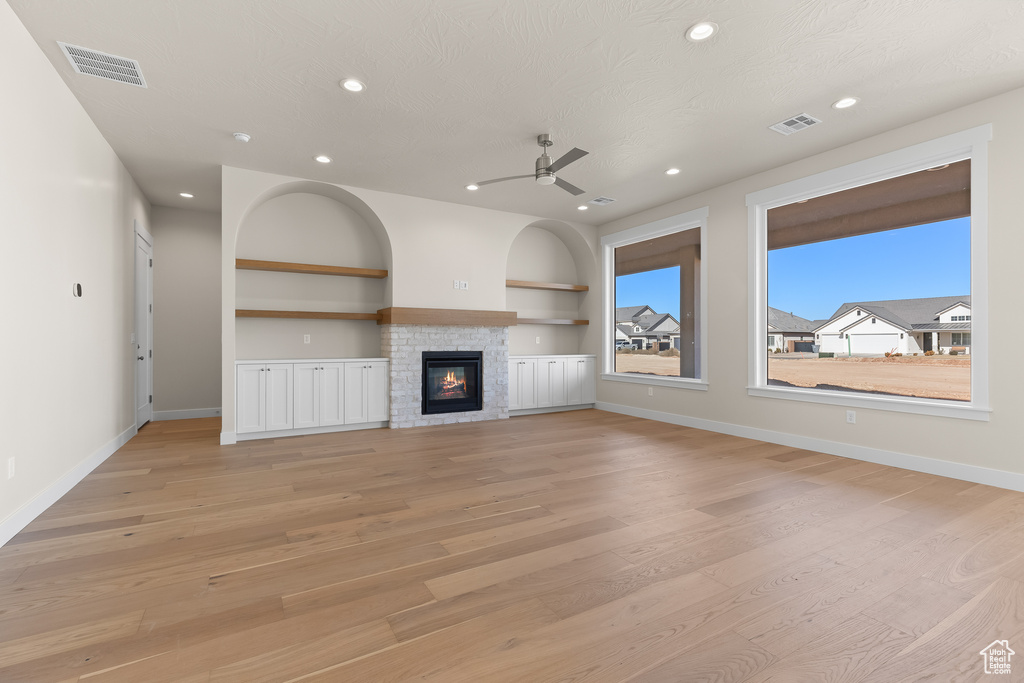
x,y
545,169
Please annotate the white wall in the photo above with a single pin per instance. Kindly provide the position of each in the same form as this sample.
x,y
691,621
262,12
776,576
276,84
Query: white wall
x,y
67,207
993,444
186,311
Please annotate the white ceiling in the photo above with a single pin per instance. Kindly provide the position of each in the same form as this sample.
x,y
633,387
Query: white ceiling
x,y
459,89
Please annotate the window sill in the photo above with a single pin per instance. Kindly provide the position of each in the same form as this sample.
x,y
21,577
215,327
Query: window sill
x,y
918,406
676,382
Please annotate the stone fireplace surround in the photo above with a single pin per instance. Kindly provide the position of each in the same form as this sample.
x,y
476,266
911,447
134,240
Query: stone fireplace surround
x,y
404,344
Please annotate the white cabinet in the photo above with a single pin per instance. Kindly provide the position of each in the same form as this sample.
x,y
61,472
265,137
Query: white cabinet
x,y
273,397
366,391
550,381
264,397
522,383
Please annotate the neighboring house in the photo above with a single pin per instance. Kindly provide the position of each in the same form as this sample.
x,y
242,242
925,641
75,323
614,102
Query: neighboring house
x,y
644,328
900,325
785,330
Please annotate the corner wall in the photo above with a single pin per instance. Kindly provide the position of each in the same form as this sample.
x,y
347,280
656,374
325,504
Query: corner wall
x,y
68,207
952,445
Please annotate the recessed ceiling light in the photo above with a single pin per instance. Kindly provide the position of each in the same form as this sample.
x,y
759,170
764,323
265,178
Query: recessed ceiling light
x,y
581,207
672,171
701,31
352,85
243,137
845,103
471,186
186,195
322,158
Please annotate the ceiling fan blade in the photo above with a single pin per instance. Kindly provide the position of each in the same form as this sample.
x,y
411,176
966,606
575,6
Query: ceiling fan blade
x,y
498,180
568,187
572,155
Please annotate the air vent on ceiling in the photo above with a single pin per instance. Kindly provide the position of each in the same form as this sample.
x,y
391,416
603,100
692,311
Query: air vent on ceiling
x,y
795,124
601,201
103,65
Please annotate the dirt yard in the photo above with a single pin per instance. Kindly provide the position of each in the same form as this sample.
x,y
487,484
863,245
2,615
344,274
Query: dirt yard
x,y
647,364
922,376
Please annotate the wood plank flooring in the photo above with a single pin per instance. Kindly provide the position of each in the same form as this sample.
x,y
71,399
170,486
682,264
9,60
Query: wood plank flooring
x,y
579,546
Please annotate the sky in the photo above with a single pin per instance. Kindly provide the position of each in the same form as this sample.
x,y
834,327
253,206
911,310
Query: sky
x,y
658,289
814,280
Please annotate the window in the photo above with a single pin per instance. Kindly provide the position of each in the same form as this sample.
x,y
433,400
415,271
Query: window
x,y
656,281
869,235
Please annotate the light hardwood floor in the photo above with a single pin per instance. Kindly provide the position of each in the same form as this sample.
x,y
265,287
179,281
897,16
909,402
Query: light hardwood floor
x,y
581,546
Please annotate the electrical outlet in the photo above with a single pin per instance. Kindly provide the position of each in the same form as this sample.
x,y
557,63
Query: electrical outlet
x,y
650,391
305,339
10,468
464,285
456,284
538,340
851,416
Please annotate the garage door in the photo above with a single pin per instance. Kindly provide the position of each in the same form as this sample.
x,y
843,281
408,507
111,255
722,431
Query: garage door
x,y
873,343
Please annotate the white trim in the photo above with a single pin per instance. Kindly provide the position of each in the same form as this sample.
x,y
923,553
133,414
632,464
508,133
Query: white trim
x,y
909,404
24,515
228,438
1013,481
968,144
281,433
695,219
550,409
675,382
159,415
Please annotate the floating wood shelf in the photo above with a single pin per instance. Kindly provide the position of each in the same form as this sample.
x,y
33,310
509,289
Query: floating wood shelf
x,y
552,286
312,315
309,269
551,321
445,316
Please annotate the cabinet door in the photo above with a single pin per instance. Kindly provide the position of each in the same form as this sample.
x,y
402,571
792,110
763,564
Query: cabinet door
x,y
557,380
250,408
528,383
543,386
377,391
574,382
332,394
306,401
355,392
588,380
279,396
514,402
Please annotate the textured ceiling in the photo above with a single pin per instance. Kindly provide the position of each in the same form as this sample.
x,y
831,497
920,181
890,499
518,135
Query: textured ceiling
x,y
459,89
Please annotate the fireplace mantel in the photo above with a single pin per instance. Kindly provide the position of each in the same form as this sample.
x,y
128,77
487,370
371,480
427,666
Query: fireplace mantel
x,y
445,316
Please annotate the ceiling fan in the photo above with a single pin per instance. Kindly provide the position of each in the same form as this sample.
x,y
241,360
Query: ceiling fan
x,y
546,169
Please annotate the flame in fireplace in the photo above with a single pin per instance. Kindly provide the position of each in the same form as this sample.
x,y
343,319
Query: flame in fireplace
x,y
451,386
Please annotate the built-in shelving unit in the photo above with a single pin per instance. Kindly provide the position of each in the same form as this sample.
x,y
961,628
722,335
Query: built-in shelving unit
x,y
306,315
309,269
550,321
550,286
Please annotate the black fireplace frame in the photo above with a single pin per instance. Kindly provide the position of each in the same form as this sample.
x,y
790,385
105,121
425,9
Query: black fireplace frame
x,y
468,359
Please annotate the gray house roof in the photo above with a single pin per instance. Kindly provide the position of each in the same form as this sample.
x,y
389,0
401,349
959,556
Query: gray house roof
x,y
787,322
909,312
883,313
651,322
627,313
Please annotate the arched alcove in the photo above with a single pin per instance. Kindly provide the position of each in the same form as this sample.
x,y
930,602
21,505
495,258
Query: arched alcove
x,y
310,223
548,252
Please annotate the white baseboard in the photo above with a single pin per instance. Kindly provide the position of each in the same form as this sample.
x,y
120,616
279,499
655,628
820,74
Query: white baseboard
x,y
32,509
159,415
551,409
282,433
228,438
944,468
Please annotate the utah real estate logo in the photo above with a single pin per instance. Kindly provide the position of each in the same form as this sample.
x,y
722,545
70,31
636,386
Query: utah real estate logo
x,y
997,657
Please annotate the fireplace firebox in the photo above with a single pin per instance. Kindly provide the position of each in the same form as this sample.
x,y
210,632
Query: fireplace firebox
x,y
452,381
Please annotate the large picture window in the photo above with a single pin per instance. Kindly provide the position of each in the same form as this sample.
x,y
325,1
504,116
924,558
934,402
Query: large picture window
x,y
655,284
872,277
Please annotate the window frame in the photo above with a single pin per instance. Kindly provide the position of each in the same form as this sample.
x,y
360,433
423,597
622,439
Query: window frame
x,y
968,144
690,220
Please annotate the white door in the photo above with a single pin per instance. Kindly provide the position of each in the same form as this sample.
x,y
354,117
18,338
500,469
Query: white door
x,y
558,381
528,383
377,391
574,389
514,402
588,380
543,387
250,406
143,352
332,394
874,343
278,394
355,392
306,401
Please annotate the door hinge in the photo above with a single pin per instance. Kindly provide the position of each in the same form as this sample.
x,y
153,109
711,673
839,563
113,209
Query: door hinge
x,y
151,353
150,263
151,308
151,398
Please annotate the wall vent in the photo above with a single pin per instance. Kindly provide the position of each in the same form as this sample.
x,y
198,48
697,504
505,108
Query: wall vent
x,y
601,201
103,65
795,124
